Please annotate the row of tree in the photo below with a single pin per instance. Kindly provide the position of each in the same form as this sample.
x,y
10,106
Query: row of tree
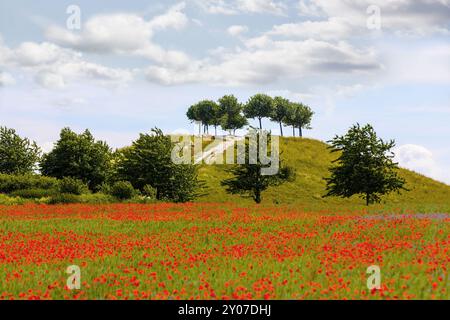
x,y
147,162
230,114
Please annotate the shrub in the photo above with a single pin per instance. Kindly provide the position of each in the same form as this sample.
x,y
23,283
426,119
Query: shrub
x,y
123,190
105,188
33,193
9,201
96,198
64,198
149,191
10,183
73,186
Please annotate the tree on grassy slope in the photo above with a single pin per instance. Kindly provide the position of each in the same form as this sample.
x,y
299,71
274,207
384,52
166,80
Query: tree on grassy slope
x,y
248,179
365,166
299,116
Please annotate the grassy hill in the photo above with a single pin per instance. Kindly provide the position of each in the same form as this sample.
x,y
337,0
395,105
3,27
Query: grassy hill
x,y
311,159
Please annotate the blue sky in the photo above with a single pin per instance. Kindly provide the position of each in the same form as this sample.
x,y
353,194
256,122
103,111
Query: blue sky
x,y
134,65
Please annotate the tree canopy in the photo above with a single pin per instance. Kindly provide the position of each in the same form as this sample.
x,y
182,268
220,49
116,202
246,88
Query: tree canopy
x,y
17,155
365,166
280,111
78,156
298,116
259,106
148,162
249,180
231,109
205,111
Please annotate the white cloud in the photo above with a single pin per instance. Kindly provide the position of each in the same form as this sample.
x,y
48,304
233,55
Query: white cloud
x,y
309,9
33,54
271,61
50,80
418,17
6,79
125,34
217,7
115,33
69,102
331,29
294,96
262,6
242,6
421,160
427,63
237,30
53,67
174,18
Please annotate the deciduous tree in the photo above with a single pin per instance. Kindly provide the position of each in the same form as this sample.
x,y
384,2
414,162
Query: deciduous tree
x,y
78,156
17,155
259,106
365,166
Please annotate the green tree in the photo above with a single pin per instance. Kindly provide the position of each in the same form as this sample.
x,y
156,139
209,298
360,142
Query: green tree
x,y
299,116
259,106
248,179
148,162
365,166
193,114
206,109
207,112
216,117
280,111
290,118
17,155
78,156
231,110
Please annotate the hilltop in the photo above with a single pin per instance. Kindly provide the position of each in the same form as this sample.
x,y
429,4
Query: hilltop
x,y
311,159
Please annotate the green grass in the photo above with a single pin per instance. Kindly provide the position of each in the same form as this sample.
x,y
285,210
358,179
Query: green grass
x,y
311,159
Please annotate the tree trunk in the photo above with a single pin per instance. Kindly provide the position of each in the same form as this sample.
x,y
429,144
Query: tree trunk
x,y
367,199
260,125
199,129
281,129
258,196
293,131
300,132
215,131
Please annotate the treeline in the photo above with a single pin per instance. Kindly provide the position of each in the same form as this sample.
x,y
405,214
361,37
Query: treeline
x,y
80,168
231,115
79,164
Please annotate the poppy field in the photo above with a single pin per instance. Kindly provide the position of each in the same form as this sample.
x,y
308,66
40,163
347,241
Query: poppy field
x,y
220,251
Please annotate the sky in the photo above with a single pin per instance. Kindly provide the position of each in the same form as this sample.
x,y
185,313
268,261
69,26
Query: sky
x,y
123,67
